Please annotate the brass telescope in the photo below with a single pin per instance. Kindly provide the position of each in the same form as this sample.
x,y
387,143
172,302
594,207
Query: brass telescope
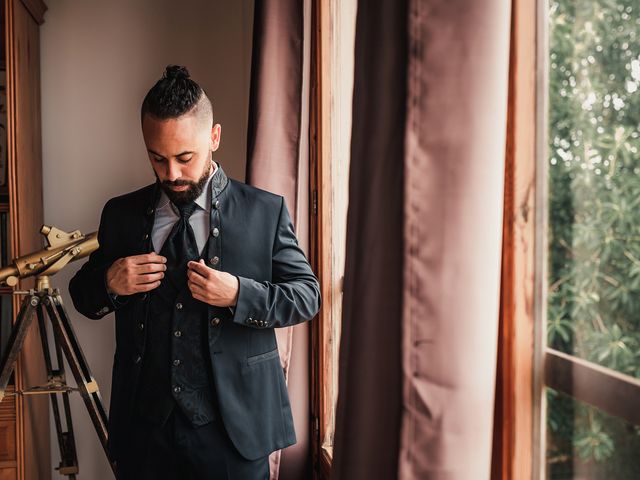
x,y
62,248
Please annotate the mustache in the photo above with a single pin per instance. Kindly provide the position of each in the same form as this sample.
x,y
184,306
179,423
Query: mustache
x,y
178,183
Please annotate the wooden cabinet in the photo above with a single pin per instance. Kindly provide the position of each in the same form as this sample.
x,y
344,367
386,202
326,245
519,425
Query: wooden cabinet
x,y
24,422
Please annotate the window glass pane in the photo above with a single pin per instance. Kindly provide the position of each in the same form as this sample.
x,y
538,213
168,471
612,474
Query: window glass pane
x,y
586,443
594,181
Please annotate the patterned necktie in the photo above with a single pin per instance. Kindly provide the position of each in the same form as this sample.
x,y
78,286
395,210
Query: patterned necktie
x,y
180,247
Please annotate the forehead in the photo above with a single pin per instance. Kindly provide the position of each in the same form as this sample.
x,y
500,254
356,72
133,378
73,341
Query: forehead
x,y
174,134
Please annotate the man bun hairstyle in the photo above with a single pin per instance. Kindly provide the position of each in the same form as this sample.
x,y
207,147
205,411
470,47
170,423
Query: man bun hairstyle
x,y
174,95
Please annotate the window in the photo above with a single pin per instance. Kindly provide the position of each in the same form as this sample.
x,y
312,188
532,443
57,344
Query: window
x,y
591,290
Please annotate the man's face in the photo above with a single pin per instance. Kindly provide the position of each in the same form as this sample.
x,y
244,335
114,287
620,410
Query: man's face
x,y
180,154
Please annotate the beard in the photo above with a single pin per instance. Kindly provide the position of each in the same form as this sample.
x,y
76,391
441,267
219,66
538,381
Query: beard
x,y
191,193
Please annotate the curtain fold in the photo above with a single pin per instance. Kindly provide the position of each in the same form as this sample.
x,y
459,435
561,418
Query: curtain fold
x,y
455,149
422,278
278,161
369,404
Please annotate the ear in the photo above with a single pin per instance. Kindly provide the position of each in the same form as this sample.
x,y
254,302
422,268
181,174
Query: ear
x,y
215,137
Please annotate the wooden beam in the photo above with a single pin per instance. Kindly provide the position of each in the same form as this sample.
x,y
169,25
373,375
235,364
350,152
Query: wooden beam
x,y
320,238
610,391
513,421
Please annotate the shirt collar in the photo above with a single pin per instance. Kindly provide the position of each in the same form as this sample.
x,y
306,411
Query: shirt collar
x,y
203,201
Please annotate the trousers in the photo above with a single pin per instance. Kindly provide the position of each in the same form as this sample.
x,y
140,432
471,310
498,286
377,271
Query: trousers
x,y
179,451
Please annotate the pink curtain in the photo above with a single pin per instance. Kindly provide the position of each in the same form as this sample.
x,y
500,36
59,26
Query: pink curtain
x,y
418,352
278,161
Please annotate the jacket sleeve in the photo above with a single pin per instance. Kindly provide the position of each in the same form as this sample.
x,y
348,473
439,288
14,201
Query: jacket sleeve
x,y
293,295
88,287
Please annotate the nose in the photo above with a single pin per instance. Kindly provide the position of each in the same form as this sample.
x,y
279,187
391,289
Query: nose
x,y
173,170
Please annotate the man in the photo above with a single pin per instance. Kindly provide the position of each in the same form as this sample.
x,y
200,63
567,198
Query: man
x,y
199,270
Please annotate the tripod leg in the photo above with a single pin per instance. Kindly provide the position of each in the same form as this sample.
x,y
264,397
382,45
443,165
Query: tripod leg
x,y
69,464
87,385
18,334
66,440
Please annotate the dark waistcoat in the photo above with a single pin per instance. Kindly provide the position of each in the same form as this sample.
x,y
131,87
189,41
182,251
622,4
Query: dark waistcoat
x,y
175,371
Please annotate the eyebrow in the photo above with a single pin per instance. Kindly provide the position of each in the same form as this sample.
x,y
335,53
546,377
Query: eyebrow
x,y
178,155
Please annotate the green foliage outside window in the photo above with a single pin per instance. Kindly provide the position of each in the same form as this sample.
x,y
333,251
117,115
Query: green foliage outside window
x,y
594,224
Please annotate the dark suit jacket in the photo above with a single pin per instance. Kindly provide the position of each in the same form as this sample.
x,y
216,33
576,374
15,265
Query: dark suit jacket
x,y
256,242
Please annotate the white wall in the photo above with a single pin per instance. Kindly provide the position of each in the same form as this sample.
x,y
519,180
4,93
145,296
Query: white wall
x,y
98,61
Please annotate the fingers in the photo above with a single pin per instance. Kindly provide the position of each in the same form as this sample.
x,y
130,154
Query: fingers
x,y
199,268
148,278
196,289
195,278
199,297
149,268
146,287
200,293
152,257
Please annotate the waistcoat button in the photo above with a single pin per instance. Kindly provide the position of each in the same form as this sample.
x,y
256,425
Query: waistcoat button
x,y
215,321
177,333
179,306
214,260
215,232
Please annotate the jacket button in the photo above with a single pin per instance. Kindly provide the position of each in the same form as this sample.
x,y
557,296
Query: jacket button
x,y
249,321
216,204
215,260
150,210
215,321
176,362
177,389
146,235
141,326
179,306
137,359
215,232
177,334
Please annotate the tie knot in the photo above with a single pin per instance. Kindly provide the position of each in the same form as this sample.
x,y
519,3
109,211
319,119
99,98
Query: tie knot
x,y
187,209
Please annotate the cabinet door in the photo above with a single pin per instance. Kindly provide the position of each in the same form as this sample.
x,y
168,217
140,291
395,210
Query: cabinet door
x,y
26,217
8,453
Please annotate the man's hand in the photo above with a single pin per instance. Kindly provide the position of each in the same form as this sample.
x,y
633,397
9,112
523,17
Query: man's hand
x,y
212,286
138,273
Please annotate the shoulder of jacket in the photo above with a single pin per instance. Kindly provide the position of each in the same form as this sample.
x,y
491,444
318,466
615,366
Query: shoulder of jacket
x,y
139,197
256,194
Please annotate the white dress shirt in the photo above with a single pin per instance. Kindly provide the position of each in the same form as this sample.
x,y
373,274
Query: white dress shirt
x,y
167,215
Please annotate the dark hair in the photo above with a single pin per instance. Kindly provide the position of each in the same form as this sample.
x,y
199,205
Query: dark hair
x,y
173,95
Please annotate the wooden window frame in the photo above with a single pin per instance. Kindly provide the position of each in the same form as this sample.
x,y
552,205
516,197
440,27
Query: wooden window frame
x,y
320,235
526,367
333,34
